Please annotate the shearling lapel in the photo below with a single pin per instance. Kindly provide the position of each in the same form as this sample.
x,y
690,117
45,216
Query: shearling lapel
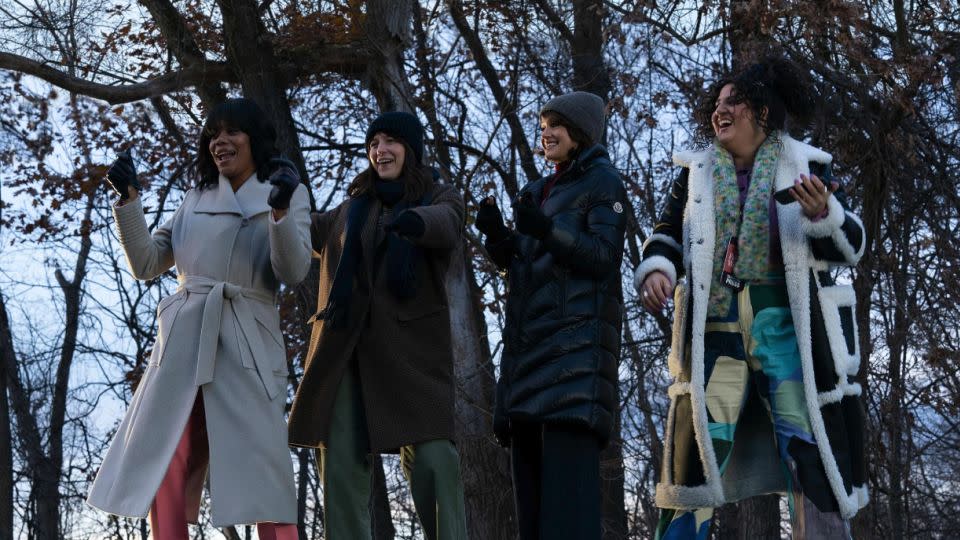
x,y
699,229
220,200
252,197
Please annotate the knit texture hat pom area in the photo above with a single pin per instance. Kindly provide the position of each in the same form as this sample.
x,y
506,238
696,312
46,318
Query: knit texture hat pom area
x,y
402,125
582,109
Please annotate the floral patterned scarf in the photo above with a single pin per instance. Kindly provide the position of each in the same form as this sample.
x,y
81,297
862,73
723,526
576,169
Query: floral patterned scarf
x,y
752,229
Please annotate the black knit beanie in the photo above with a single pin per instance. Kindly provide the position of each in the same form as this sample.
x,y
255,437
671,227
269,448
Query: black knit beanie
x,y
402,125
582,109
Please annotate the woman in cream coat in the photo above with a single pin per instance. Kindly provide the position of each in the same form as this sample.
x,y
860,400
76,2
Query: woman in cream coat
x,y
214,391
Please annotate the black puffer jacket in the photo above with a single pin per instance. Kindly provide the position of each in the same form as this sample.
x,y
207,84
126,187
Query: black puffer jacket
x,y
565,304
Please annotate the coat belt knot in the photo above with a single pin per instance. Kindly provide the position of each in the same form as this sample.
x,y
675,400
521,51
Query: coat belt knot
x,y
239,307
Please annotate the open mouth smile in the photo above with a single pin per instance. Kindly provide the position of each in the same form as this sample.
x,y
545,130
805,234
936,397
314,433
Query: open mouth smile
x,y
222,156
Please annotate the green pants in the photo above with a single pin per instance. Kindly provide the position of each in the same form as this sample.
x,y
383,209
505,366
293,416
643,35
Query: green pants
x,y
432,469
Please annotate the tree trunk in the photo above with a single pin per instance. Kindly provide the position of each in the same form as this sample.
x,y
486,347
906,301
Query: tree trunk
x,y
749,519
387,27
6,458
252,57
484,466
590,75
589,68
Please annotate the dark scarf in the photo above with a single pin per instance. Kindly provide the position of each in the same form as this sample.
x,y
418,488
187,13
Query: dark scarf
x,y
401,254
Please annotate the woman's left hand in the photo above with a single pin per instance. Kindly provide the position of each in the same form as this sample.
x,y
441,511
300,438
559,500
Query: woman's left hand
x,y
812,194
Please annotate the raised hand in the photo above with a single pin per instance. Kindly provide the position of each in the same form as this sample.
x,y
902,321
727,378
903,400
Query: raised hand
x,y
122,175
490,220
531,221
285,180
407,224
812,194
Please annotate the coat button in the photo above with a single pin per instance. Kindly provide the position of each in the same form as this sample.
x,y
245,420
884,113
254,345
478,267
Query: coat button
x,y
701,286
699,165
244,222
698,199
700,241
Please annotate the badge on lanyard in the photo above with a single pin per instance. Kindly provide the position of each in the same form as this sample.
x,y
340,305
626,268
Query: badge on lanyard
x,y
727,278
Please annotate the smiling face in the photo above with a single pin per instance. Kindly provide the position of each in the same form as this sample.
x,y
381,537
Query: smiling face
x,y
734,124
555,139
386,155
232,154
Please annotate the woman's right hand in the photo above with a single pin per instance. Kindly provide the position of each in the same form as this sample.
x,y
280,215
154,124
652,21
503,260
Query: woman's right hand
x,y
490,221
122,176
655,291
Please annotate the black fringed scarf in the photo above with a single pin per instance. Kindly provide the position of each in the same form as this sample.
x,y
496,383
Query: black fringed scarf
x,y
401,254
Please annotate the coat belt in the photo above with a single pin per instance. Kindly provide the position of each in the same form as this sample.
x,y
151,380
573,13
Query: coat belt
x,y
213,308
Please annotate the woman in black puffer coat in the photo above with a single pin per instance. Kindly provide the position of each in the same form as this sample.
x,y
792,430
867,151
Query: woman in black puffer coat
x,y
557,393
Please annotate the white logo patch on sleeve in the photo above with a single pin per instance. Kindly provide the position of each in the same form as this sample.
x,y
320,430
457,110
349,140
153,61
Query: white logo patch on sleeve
x,y
617,207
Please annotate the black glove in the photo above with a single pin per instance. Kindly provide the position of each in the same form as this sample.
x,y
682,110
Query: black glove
x,y
531,221
407,224
490,221
123,174
285,180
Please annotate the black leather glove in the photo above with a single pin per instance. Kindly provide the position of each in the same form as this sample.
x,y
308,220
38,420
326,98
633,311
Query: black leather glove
x,y
490,221
285,180
531,221
123,174
407,224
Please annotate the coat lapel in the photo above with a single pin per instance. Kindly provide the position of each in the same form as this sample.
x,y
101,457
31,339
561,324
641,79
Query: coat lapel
x,y
219,200
699,224
250,200
252,197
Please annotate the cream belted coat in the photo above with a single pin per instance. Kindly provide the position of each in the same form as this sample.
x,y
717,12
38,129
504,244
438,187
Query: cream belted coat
x,y
218,333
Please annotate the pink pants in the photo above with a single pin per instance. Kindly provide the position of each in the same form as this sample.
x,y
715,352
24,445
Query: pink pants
x,y
174,505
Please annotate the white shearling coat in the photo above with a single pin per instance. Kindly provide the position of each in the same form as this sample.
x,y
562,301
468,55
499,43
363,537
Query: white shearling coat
x,y
218,333
826,334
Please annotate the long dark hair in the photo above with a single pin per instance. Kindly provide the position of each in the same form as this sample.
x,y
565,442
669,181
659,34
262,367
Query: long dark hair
x,y
577,135
245,115
417,178
774,83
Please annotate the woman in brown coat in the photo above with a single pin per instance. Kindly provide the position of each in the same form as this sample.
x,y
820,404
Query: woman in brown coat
x,y
379,370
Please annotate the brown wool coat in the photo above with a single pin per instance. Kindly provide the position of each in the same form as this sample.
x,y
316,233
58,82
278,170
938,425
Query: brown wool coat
x,y
403,349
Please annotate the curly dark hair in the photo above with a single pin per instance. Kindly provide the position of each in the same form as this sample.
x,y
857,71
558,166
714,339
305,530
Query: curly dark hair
x,y
775,84
243,114
417,177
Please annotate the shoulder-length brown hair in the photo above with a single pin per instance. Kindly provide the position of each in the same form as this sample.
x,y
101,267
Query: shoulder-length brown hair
x,y
245,115
417,178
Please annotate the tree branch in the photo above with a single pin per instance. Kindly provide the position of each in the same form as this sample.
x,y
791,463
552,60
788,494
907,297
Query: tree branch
x,y
555,20
164,84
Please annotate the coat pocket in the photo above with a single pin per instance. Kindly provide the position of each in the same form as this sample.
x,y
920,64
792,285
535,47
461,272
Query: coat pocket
x,y
167,311
419,312
273,346
838,304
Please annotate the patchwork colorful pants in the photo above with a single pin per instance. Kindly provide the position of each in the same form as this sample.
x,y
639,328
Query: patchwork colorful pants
x,y
755,345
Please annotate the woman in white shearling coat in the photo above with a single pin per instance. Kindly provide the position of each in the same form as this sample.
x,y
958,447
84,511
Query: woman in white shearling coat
x,y
213,394
765,353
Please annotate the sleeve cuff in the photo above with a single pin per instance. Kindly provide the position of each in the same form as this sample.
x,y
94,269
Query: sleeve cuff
x,y
656,263
820,227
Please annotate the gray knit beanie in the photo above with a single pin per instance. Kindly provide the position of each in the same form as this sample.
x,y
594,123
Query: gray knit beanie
x,y
582,109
